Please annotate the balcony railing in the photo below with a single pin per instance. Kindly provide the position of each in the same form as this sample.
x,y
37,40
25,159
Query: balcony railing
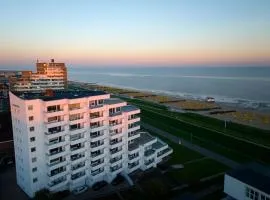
x,y
115,114
112,169
54,132
76,137
95,106
57,162
95,116
56,110
115,151
57,172
93,155
76,148
149,152
55,142
73,158
78,175
115,142
74,108
96,135
113,160
57,181
96,145
77,128
73,168
96,172
56,152
97,163
55,121
74,119
132,165
149,162
131,157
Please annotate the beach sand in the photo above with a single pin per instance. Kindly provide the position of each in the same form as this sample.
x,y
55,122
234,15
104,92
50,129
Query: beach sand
x,y
216,110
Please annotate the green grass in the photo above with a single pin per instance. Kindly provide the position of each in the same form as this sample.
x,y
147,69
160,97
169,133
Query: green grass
x,y
227,146
197,170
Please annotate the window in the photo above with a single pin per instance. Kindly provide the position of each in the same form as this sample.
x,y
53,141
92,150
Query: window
x,y
33,149
32,128
31,118
32,139
34,159
35,180
30,107
34,169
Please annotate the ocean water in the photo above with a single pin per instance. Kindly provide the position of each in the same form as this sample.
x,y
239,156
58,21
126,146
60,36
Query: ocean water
x,y
248,87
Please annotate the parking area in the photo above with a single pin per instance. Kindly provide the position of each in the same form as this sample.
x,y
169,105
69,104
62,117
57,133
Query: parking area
x,y
8,188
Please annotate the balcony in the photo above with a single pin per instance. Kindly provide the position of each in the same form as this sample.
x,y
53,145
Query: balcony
x,y
77,158
76,130
77,121
114,135
115,116
96,108
77,139
116,170
54,134
77,149
149,162
97,156
149,153
116,153
78,175
97,146
133,135
77,167
133,157
97,172
134,120
132,165
76,110
115,144
133,127
97,128
57,164
96,137
55,123
57,173
56,143
116,161
52,113
165,152
58,183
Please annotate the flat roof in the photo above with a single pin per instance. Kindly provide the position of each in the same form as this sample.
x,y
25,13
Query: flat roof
x,y
145,138
253,175
113,101
129,108
57,95
158,145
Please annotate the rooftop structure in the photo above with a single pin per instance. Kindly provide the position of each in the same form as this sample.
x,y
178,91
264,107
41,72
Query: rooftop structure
x,y
66,139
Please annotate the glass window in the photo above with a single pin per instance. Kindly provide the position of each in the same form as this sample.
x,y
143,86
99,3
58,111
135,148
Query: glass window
x,y
34,159
33,149
35,180
32,128
34,169
32,139
31,118
30,107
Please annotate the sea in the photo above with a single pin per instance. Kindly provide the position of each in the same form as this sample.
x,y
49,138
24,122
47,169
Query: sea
x,y
246,87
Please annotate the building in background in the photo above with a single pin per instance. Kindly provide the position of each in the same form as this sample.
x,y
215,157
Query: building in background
x,y
65,139
48,76
251,181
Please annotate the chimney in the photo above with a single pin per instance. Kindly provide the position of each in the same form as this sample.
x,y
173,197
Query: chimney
x,y
49,93
52,60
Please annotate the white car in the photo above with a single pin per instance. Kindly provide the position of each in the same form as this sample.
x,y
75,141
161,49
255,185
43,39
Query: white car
x,y
79,190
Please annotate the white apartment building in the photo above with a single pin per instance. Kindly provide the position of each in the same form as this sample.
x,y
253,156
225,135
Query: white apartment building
x,y
64,140
249,182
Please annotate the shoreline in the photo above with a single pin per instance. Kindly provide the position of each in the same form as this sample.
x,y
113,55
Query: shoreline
x,y
246,116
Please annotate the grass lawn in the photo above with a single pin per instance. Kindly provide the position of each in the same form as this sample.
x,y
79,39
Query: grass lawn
x,y
197,170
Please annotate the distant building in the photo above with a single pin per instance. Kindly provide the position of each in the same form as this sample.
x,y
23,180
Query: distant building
x,y
64,140
248,182
48,76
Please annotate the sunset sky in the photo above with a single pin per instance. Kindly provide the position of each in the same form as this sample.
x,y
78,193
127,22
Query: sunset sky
x,y
135,32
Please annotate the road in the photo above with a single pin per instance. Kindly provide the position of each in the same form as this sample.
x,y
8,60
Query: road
x,y
228,162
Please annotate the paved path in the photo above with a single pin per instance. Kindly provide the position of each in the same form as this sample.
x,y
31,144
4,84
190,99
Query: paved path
x,y
201,150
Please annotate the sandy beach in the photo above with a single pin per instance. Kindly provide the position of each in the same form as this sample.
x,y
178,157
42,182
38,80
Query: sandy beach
x,y
220,111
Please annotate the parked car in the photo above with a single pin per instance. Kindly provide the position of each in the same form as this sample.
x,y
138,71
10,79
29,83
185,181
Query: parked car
x,y
118,179
79,190
99,185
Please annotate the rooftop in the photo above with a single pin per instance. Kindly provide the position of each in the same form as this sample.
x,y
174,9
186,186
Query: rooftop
x,y
145,138
254,175
129,108
113,101
57,95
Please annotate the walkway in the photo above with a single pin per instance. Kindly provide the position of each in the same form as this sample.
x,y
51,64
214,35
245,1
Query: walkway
x,y
201,150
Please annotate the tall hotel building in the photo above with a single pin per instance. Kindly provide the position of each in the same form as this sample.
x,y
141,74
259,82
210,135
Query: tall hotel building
x,y
66,139
48,76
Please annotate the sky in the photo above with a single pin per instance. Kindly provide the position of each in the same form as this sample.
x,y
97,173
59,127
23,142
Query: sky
x,y
135,32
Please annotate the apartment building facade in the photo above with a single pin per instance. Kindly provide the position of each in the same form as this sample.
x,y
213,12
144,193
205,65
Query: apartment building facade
x,y
50,75
68,139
